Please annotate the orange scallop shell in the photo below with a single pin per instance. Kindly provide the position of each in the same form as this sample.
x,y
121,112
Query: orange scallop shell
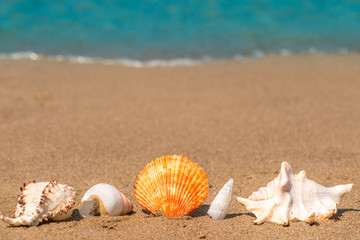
x,y
172,184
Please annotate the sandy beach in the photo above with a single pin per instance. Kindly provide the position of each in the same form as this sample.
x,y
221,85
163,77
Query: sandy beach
x,y
83,124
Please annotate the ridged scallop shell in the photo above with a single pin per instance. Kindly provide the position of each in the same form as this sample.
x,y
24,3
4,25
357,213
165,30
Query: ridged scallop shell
x,y
42,201
104,200
289,197
172,184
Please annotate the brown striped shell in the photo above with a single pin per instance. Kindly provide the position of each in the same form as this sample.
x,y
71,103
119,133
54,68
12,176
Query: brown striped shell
x,y
40,201
172,184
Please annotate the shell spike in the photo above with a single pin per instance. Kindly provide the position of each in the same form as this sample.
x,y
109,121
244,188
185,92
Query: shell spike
x,y
262,216
264,209
285,165
284,174
302,175
19,221
285,168
11,221
339,190
243,201
221,202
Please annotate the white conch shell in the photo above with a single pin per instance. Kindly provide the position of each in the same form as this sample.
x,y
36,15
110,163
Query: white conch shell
x,y
104,200
290,197
42,201
221,202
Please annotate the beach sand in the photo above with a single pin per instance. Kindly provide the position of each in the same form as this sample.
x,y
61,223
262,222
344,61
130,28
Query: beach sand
x,y
83,124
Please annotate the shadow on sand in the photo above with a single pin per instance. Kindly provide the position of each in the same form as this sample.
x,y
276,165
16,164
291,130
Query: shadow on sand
x,y
200,211
75,217
340,211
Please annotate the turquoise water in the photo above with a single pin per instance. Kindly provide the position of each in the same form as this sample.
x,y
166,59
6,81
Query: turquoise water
x,y
163,29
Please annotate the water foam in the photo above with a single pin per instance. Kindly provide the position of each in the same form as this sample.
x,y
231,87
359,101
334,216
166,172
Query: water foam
x,y
29,55
33,56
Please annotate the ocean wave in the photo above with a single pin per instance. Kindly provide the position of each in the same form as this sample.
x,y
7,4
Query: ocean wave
x,y
33,56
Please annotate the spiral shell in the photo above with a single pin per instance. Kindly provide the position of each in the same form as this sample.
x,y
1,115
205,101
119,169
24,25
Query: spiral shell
x,y
172,184
104,200
221,203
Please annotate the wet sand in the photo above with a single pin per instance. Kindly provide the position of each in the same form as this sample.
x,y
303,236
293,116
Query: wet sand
x,y
83,124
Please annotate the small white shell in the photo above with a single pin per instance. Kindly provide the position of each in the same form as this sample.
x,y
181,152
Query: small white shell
x,y
221,202
104,200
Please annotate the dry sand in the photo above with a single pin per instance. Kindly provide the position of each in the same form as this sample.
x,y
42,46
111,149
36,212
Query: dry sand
x,y
91,123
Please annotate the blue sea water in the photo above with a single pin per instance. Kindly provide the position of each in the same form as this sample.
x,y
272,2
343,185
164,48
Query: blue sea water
x,y
176,29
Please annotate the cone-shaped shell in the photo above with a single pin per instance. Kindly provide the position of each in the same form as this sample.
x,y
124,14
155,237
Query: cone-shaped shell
x,y
289,197
221,202
104,200
42,201
172,184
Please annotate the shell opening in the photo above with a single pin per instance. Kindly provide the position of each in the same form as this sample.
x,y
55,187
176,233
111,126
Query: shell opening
x,y
90,207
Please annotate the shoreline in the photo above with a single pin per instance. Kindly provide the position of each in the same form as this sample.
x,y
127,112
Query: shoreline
x,y
159,62
82,124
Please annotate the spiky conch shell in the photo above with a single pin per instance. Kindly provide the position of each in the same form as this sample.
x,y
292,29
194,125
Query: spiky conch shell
x,y
172,184
293,197
42,201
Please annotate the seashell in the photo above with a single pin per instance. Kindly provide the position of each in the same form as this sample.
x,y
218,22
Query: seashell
x,y
104,200
42,201
221,202
289,197
172,184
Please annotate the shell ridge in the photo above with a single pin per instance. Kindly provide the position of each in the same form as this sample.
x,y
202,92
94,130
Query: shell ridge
x,y
194,194
163,190
186,204
179,179
185,180
171,181
197,191
177,205
144,189
167,204
174,179
155,196
186,172
141,190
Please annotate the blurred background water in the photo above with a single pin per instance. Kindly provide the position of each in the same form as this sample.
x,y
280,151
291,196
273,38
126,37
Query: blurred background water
x,y
171,29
